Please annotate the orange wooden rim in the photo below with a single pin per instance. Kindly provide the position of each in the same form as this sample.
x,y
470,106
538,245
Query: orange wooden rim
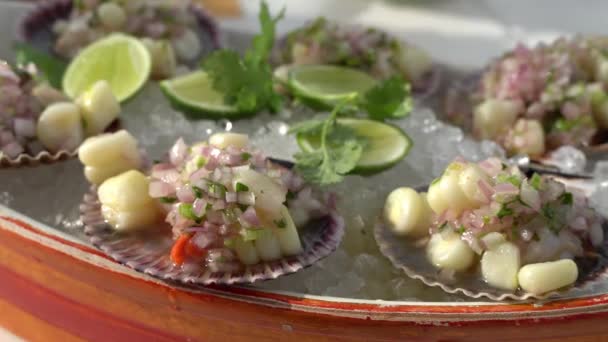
x,y
76,290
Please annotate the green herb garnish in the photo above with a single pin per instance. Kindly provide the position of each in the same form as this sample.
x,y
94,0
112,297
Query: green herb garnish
x,y
504,211
167,200
186,211
567,198
198,192
461,230
245,156
216,188
389,99
280,223
247,83
240,187
535,181
253,234
49,68
506,178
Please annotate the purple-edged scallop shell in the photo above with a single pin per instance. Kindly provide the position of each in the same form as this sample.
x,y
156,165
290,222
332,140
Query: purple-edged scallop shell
x,y
409,255
36,26
458,109
148,251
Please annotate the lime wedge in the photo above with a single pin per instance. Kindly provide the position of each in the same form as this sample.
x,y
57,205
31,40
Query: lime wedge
x,y
194,93
386,145
121,60
326,85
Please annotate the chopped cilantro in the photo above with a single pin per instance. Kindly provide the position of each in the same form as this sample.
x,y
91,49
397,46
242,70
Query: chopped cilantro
x,y
567,198
486,219
240,187
443,226
291,195
167,200
229,242
198,192
280,223
535,181
461,230
504,211
201,161
245,156
506,178
216,188
389,99
185,209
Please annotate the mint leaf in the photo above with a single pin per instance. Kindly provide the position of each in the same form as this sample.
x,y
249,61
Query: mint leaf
x,y
389,99
49,67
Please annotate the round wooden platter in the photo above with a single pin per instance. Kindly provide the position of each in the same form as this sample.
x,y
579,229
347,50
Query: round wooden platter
x,y
54,287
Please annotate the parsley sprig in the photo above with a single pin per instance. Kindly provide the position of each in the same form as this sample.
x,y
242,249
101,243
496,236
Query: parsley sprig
x,y
246,82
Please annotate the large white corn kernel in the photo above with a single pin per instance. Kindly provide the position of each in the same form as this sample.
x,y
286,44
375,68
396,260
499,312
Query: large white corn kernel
x,y
109,150
125,202
96,175
112,15
60,127
187,46
499,266
163,58
547,276
446,192
224,140
269,195
449,252
414,61
601,70
469,183
287,233
99,107
246,252
493,117
408,212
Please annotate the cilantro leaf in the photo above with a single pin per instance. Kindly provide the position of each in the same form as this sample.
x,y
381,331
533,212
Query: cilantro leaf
x,y
535,181
49,67
389,99
247,83
338,154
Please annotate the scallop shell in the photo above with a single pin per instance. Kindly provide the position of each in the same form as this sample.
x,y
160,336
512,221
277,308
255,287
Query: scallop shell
x,y
43,157
409,255
35,26
457,101
148,251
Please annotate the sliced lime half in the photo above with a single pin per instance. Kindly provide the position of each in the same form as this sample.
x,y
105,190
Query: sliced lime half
x,y
120,59
327,85
193,93
385,146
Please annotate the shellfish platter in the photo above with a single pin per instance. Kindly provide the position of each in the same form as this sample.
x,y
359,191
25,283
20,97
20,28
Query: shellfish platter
x,y
333,159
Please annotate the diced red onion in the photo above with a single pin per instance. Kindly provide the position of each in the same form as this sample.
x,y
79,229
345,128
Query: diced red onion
x,y
491,166
199,206
199,174
13,149
25,127
506,189
159,189
204,240
219,205
185,194
530,196
251,217
485,189
178,152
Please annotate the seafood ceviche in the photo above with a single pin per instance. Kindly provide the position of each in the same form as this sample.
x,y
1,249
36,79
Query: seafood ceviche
x,y
226,203
368,49
35,117
522,232
536,99
168,28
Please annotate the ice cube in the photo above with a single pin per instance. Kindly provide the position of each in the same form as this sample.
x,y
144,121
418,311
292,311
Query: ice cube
x,y
569,159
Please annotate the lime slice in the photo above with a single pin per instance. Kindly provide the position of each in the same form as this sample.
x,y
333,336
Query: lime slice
x,y
194,93
386,144
121,60
327,85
